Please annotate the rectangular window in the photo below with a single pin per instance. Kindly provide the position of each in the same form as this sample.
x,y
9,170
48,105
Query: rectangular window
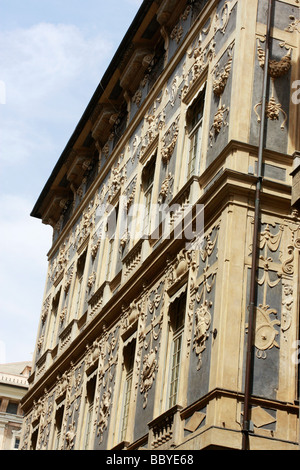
x,y
89,408
195,124
109,259
53,319
129,353
78,283
12,408
34,435
17,443
177,315
58,426
147,181
112,222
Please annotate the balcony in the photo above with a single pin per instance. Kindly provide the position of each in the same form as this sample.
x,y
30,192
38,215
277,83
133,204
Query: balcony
x,y
164,431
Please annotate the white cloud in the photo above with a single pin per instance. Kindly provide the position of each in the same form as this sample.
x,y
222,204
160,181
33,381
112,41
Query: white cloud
x,y
48,75
24,243
46,58
45,68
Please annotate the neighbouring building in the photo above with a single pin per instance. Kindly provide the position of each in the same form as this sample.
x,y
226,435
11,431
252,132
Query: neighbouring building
x,y
13,386
170,317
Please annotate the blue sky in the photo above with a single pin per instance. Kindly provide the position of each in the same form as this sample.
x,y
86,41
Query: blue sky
x,y
52,57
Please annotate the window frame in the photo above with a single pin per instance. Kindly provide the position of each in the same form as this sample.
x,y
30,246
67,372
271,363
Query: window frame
x,y
177,311
88,411
147,193
126,388
194,126
77,292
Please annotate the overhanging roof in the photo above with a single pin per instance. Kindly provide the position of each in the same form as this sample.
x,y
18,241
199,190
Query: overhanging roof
x,y
125,43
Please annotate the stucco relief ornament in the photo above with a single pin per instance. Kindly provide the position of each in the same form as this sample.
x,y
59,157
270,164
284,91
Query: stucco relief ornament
x,y
85,226
265,333
270,241
287,265
118,177
203,322
154,304
91,280
40,342
219,122
148,374
287,305
104,413
45,309
165,187
124,239
273,111
151,121
277,69
169,141
59,263
174,90
70,436
221,79
177,33
294,25
219,85
63,315
137,97
93,353
69,277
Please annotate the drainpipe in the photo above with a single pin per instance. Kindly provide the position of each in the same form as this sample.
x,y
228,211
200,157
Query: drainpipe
x,y
253,285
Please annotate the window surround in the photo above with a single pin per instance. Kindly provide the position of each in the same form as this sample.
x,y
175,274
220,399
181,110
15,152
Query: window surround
x,y
194,131
175,342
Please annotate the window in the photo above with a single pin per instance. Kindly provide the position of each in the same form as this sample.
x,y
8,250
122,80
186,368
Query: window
x,y
78,283
157,65
52,327
12,408
88,410
129,352
17,443
109,259
195,124
147,181
58,426
112,221
177,315
34,435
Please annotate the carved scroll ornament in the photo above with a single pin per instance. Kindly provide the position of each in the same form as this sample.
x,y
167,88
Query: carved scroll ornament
x,y
265,334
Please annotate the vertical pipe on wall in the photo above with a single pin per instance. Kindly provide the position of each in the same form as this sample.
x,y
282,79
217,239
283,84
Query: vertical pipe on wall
x,y
253,285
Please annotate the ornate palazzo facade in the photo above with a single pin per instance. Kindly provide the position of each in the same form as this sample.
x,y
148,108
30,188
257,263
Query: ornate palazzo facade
x,y
143,338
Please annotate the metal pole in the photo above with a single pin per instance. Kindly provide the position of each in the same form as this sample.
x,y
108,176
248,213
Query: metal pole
x,y
252,302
